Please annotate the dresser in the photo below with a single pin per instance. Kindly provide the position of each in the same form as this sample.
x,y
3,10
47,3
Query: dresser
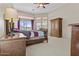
x,y
75,40
12,46
56,27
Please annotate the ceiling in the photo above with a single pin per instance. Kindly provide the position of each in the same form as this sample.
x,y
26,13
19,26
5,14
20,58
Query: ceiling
x,y
32,8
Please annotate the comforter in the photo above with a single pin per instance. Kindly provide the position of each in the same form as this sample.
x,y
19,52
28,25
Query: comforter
x,y
32,33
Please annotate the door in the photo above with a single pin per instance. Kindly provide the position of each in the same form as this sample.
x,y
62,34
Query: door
x,y
75,41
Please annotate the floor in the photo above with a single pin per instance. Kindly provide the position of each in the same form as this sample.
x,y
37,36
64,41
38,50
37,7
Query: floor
x,y
54,47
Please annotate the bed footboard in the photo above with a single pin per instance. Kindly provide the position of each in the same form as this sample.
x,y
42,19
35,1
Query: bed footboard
x,y
34,41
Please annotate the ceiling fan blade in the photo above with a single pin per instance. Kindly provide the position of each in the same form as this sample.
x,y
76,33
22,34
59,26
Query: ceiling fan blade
x,y
41,4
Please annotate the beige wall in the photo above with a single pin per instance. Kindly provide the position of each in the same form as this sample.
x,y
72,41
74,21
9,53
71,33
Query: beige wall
x,y
70,14
2,24
21,13
2,31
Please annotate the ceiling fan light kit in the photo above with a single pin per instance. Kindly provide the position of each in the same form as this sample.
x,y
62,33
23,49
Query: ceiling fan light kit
x,y
41,5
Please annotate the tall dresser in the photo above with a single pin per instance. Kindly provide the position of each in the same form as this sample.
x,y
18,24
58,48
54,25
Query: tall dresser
x,y
75,40
56,27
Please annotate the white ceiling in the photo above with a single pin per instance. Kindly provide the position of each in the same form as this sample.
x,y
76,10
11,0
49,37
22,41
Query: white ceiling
x,y
32,8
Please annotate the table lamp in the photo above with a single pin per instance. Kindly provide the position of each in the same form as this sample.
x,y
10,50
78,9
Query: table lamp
x,y
11,15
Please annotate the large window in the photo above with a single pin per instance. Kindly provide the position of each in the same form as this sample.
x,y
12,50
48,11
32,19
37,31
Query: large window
x,y
25,24
41,23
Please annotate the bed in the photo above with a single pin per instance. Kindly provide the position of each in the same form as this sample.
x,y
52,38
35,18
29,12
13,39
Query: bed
x,y
33,36
37,37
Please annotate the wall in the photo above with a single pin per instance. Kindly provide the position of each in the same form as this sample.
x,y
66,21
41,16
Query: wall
x,y
21,13
2,31
2,24
70,14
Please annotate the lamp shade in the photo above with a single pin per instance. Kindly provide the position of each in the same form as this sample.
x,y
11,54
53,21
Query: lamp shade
x,y
11,13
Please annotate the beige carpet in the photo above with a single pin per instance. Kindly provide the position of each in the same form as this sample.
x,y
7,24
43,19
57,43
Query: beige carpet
x,y
55,47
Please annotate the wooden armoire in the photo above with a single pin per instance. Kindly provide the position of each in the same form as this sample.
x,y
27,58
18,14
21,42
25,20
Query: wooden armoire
x,y
75,40
56,27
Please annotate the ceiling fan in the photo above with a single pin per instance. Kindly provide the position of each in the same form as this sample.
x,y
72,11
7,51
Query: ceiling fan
x,y
41,5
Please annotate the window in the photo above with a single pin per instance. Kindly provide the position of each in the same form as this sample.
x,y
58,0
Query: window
x,y
38,24
41,23
25,24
